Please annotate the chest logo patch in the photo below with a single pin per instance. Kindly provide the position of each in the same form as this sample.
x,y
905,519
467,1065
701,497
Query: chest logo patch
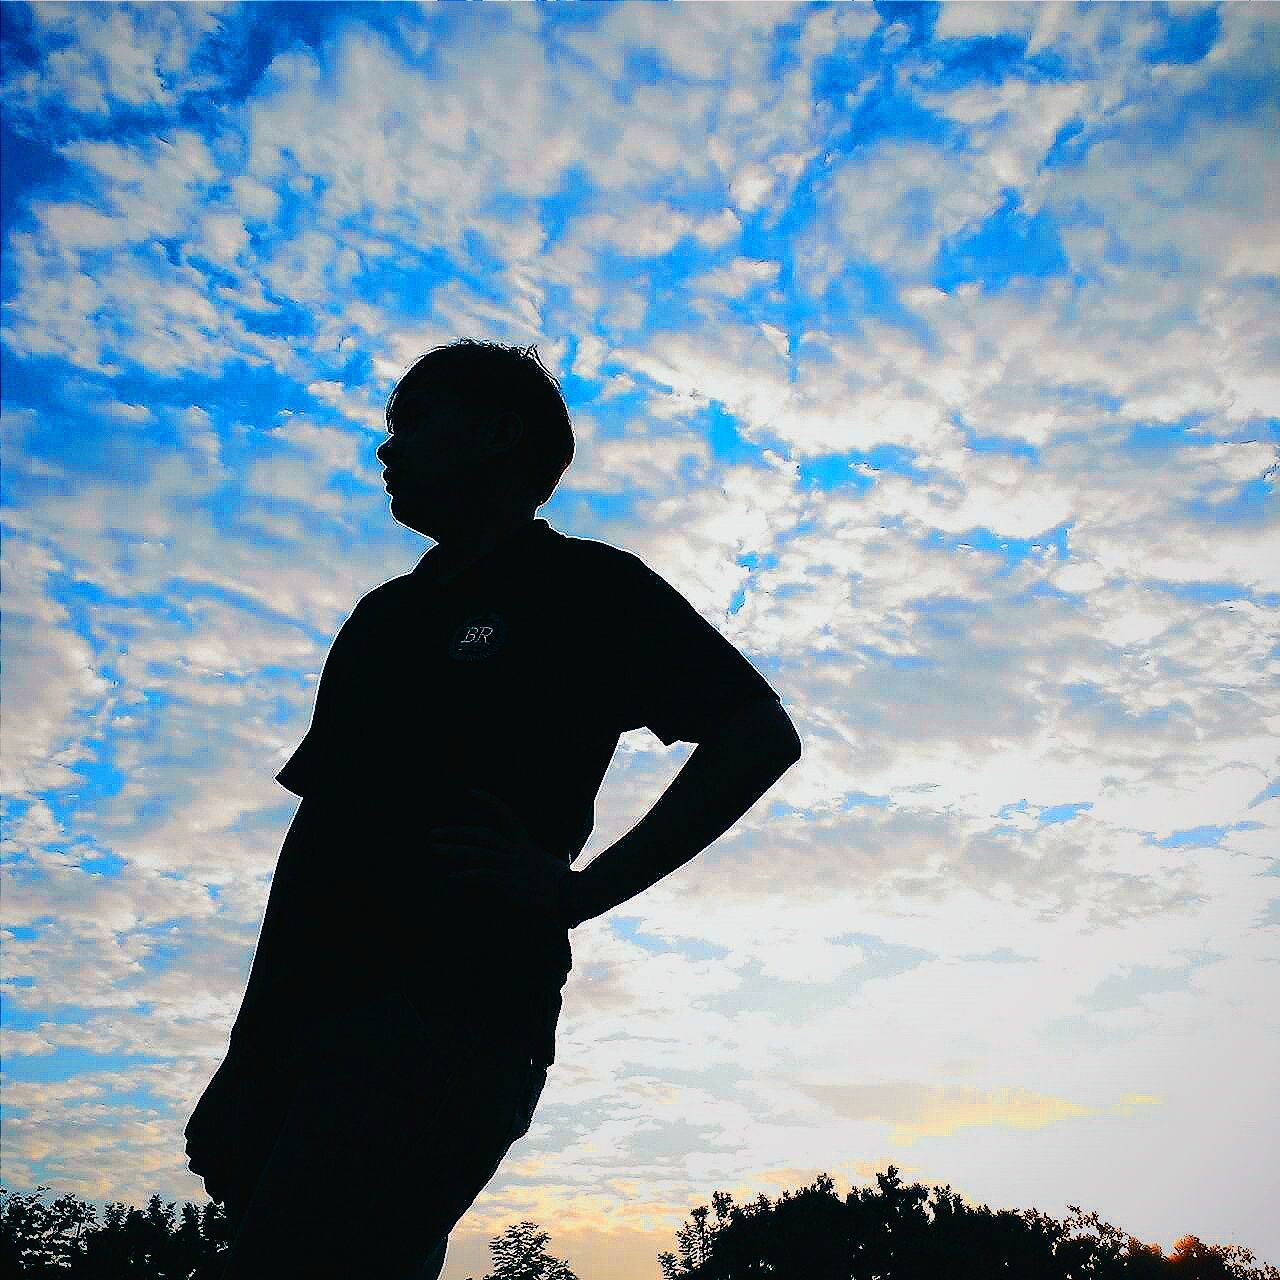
x,y
478,637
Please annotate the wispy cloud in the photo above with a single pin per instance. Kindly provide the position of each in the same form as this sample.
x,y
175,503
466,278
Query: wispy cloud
x,y
930,353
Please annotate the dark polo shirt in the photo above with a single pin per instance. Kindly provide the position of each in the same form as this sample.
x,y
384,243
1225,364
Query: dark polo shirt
x,y
517,675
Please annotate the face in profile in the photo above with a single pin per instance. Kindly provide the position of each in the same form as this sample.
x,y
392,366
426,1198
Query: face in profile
x,y
437,466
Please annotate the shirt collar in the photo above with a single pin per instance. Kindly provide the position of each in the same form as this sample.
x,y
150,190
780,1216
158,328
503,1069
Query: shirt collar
x,y
440,567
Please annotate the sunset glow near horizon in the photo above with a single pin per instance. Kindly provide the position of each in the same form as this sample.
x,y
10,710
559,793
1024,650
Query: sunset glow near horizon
x,y
930,351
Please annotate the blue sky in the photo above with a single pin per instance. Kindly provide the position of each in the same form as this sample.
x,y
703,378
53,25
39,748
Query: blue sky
x,y
930,350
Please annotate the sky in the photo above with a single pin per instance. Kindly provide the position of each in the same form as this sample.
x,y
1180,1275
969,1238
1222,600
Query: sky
x,y
930,351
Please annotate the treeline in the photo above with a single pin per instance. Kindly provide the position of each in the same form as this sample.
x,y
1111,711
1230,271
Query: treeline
x,y
65,1238
892,1231
907,1231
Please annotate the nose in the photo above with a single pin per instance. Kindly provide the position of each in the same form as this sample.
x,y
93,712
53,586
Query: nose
x,y
382,453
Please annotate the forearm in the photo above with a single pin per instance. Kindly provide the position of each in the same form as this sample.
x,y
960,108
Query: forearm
x,y
719,782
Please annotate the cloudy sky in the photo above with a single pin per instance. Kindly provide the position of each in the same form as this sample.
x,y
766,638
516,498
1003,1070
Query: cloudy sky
x,y
930,351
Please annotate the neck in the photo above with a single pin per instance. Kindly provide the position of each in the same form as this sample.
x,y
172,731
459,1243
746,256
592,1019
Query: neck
x,y
481,533
457,548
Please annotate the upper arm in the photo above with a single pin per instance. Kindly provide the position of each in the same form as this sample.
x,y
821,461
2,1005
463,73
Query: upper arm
x,y
337,696
679,676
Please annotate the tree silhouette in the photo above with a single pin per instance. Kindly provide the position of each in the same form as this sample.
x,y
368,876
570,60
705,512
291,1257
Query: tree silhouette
x,y
899,1231
892,1231
67,1240
40,1239
1193,1260
520,1253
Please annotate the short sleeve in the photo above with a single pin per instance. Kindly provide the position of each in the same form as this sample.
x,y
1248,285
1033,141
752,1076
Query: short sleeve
x,y
337,703
681,678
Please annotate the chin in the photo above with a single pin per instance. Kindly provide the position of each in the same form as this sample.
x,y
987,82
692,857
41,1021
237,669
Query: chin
x,y
406,514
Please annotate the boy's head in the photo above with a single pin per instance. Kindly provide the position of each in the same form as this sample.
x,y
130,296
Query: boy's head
x,y
474,421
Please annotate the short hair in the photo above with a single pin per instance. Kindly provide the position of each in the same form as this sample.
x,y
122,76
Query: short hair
x,y
491,379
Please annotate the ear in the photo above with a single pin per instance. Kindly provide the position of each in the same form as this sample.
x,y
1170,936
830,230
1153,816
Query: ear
x,y
502,434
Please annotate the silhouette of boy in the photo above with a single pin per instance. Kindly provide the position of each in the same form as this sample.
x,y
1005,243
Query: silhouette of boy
x,y
399,1021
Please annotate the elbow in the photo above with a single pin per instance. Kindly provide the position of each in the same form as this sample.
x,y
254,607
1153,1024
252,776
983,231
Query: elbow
x,y
778,735
765,731
789,748
780,739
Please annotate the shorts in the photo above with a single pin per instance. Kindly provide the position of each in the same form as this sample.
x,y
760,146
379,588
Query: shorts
x,y
355,1150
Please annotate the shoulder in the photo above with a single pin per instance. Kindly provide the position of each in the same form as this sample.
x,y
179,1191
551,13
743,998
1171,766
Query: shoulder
x,y
592,552
607,567
381,600
392,589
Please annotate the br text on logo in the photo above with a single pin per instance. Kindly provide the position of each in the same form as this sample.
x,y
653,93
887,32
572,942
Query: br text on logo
x,y
477,638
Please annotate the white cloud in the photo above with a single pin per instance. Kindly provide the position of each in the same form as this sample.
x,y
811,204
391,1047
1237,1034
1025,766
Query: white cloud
x,y
116,57
50,676
967,692
225,237
893,205
254,200
736,278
